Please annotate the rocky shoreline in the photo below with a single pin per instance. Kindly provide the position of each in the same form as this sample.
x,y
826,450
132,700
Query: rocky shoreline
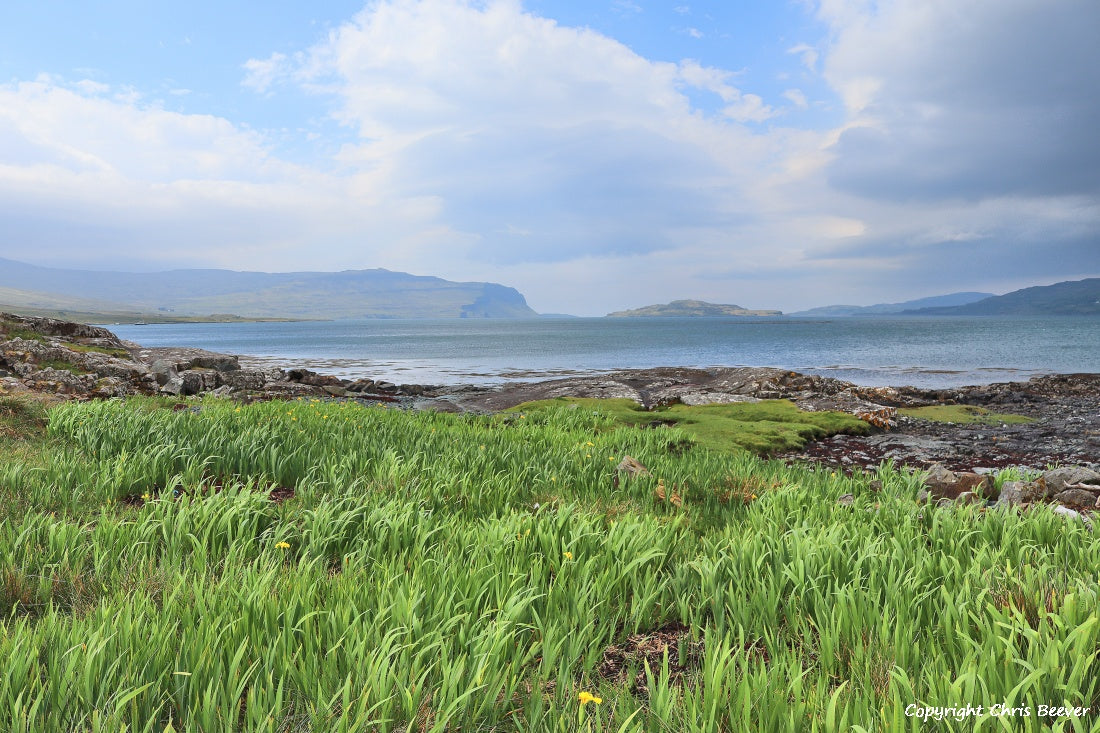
x,y
77,361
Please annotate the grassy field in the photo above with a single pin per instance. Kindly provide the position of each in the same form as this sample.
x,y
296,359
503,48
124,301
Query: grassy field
x,y
315,566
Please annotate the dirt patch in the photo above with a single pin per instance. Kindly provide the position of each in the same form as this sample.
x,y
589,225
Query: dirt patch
x,y
625,663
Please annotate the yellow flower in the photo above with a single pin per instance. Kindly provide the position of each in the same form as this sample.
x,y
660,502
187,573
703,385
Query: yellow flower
x,y
587,697
567,555
590,443
611,458
282,545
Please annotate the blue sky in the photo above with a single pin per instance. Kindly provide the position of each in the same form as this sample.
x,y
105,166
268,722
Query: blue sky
x,y
596,155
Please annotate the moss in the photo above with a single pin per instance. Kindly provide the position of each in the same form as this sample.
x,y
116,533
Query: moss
x,y
62,365
12,330
108,350
763,428
966,414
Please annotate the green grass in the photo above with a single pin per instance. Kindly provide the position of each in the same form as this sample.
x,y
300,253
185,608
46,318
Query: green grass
x,y
116,352
763,428
963,414
436,572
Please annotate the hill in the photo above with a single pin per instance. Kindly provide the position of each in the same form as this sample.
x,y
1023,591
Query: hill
x,y
936,301
692,308
179,294
1070,298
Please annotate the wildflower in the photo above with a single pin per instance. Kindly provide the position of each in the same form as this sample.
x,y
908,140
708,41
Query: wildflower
x,y
611,458
587,697
590,443
587,455
282,545
753,496
567,555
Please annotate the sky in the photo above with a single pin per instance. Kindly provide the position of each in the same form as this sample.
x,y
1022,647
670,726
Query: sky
x,y
596,155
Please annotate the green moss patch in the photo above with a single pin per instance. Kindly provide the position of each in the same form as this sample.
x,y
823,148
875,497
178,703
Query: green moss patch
x,y
108,350
763,428
963,414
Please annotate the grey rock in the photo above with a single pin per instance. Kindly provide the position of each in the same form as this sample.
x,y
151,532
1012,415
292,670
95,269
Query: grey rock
x,y
164,371
335,390
197,382
846,500
246,379
1060,479
1015,493
1071,514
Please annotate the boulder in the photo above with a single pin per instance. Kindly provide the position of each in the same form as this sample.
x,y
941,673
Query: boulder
x,y
1076,498
1071,514
1060,479
247,379
197,382
1015,493
945,484
164,371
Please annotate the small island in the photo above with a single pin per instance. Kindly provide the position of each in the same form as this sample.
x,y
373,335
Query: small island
x,y
692,308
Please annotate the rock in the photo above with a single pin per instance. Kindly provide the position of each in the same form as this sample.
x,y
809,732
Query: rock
x,y
335,390
164,371
1015,493
1060,479
197,382
215,361
945,484
1070,514
632,467
969,497
245,379
846,500
361,385
1077,498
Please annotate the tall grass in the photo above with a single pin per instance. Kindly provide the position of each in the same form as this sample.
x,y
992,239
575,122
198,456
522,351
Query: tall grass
x,y
436,572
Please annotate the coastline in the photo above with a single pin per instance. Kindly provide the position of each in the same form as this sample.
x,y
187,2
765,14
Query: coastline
x,y
71,360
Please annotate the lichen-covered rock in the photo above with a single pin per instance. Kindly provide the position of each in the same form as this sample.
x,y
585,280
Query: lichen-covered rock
x,y
945,484
1076,498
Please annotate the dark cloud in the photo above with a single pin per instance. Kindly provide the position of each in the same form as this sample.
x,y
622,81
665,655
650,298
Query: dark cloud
x,y
975,100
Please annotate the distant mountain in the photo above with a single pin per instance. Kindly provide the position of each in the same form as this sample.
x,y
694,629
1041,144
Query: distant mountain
x,y
832,311
1070,298
309,295
692,308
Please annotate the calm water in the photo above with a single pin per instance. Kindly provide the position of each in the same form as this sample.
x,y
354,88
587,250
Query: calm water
x,y
927,352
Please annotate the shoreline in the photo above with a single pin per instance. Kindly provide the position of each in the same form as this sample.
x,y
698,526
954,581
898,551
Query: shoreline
x,y
1063,410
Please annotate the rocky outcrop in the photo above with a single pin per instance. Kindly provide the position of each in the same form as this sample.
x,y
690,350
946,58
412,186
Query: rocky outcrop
x,y
1073,500
76,361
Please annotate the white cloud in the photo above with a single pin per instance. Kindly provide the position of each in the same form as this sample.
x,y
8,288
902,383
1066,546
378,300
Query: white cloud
x,y
797,97
808,55
494,144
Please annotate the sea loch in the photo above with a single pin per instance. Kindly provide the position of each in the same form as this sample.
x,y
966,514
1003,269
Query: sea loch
x,y
919,351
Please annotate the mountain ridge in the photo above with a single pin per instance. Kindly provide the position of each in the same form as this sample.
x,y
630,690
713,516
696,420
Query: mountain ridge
x,y
371,293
